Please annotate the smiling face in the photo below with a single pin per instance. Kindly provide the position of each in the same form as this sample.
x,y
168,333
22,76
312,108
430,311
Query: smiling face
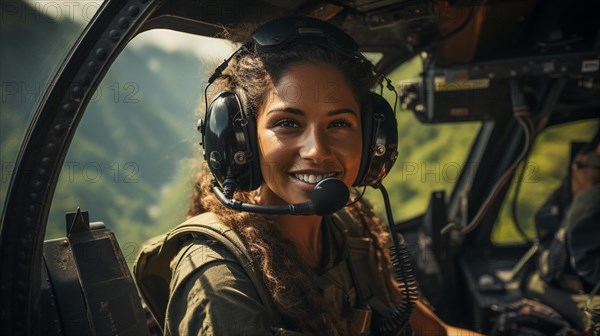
x,y
309,128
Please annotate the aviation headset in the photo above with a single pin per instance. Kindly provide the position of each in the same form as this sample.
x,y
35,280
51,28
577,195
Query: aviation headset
x,y
228,130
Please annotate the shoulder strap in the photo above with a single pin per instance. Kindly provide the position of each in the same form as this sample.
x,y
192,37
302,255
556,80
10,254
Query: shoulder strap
x,y
153,273
370,287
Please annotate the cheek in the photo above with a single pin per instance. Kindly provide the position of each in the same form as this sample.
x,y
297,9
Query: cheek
x,y
350,154
356,154
272,154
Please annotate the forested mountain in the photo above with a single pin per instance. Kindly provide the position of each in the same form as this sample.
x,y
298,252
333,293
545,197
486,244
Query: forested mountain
x,y
138,126
131,142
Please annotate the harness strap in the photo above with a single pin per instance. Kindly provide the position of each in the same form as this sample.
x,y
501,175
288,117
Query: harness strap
x,y
152,269
363,267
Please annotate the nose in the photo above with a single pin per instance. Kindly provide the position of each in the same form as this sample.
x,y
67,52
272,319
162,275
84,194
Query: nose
x,y
314,146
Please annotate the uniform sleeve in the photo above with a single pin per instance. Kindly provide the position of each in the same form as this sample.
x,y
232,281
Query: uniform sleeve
x,y
582,236
211,294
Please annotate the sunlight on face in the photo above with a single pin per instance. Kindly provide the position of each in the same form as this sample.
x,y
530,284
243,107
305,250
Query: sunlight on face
x,y
309,128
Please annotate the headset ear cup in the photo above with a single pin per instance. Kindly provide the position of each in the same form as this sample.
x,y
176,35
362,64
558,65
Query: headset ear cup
x,y
366,113
380,140
255,173
230,142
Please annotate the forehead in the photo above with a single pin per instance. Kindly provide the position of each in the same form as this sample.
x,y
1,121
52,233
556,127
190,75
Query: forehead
x,y
313,82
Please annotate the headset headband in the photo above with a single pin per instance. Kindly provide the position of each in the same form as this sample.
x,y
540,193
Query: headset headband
x,y
276,34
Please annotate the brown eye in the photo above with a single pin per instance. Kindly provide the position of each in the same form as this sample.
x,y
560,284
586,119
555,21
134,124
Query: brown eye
x,y
340,123
286,123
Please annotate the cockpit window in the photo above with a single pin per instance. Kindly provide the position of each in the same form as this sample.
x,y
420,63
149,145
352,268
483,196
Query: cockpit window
x,y
431,156
36,36
131,163
373,57
544,172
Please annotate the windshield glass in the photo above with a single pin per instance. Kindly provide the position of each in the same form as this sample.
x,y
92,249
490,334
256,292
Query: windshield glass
x,y
544,173
431,156
133,159
36,36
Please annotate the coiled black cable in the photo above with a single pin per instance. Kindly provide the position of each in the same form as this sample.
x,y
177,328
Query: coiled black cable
x,y
403,274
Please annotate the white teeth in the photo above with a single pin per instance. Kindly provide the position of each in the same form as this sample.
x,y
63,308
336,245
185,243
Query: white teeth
x,y
312,178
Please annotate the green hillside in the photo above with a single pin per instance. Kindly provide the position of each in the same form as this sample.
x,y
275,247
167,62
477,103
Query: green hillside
x,y
31,48
127,150
137,129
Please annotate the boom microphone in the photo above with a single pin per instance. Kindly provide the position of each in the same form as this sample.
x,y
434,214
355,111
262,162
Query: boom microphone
x,y
329,196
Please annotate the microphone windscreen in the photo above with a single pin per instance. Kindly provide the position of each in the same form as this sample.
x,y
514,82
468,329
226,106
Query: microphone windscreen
x,y
329,196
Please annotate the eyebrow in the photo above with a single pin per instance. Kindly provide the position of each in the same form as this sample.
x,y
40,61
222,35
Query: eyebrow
x,y
297,111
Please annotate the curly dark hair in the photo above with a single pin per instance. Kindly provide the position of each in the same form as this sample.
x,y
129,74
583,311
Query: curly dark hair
x,y
292,284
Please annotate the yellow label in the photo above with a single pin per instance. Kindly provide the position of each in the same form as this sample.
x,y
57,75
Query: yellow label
x,y
474,84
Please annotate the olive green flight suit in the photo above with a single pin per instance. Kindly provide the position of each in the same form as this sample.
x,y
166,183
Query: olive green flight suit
x,y
218,298
197,279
